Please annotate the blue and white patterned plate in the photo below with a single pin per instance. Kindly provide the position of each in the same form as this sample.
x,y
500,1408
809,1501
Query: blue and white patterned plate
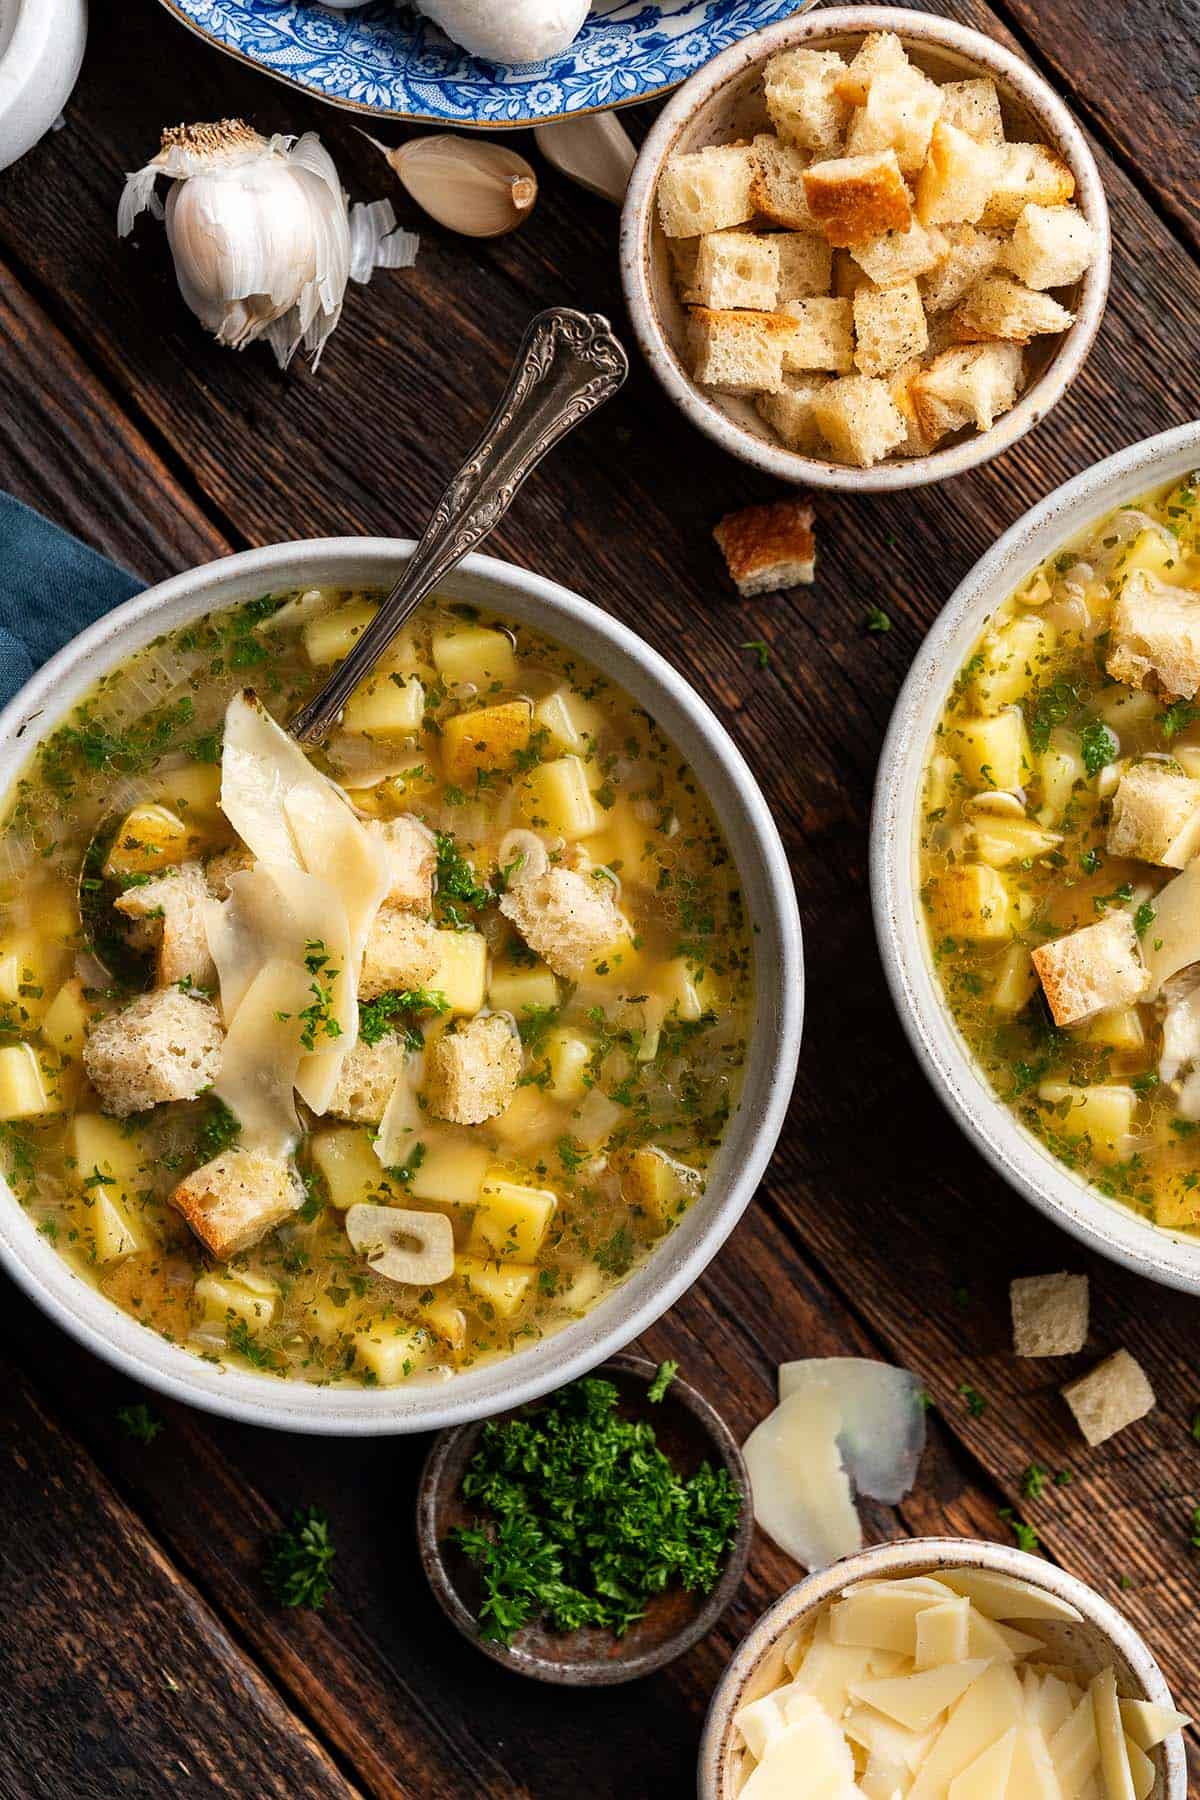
x,y
385,59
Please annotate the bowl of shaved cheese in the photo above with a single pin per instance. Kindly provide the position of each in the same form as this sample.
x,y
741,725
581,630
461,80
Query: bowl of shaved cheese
x,y
943,1667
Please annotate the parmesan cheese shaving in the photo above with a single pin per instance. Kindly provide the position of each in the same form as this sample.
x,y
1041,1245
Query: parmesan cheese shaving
x,y
261,1057
402,1116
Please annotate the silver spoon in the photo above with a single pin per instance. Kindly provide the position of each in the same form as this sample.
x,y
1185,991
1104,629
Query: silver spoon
x,y
569,363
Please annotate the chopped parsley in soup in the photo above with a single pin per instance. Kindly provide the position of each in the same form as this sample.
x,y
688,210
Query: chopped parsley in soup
x,y
1059,831
374,1063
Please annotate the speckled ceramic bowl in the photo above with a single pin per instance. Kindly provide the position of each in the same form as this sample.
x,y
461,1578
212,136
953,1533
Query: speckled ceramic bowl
x,y
724,101
1103,1637
1023,1160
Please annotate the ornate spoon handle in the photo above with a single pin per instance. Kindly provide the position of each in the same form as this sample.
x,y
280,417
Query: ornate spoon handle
x,y
569,363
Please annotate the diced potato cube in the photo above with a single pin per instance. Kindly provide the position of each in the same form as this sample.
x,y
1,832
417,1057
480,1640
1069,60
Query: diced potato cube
x,y
972,901
1155,552
1013,656
1060,771
661,1187
687,990
331,638
334,1313
451,1172
471,653
1016,982
346,1157
249,1297
25,1089
520,991
568,1054
30,971
488,738
55,906
494,1290
391,1351
1102,1114
995,752
572,722
512,1220
461,976
623,843
110,1170
1121,1028
446,1321
529,1115
193,791
151,837
67,1018
556,797
386,705
411,786
940,778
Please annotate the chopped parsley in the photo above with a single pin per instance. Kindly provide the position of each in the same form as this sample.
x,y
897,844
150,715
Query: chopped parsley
x,y
139,1422
975,1403
299,1558
1144,917
1026,1536
218,1132
667,1371
761,649
1177,717
877,619
1033,1482
399,1009
1098,746
457,885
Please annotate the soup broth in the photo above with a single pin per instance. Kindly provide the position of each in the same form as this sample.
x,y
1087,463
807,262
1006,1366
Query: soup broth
x,y
532,1027
1062,794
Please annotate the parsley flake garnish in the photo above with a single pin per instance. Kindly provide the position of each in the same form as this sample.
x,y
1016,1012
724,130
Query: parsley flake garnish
x,y
667,1371
299,1558
877,619
139,1422
761,650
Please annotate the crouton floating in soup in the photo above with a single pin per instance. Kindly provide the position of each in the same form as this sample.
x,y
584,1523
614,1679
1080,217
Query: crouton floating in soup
x,y
1059,832
378,1062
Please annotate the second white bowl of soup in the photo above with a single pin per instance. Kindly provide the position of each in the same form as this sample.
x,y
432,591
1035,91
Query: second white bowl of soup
x,y
1032,845
384,1089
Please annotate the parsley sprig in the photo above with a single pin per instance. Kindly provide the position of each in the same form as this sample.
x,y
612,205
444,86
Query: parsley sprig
x,y
299,1558
399,1009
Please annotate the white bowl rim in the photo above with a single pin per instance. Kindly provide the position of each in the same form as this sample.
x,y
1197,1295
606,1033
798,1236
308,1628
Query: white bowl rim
x,y
904,472
910,1553
1165,1256
101,1326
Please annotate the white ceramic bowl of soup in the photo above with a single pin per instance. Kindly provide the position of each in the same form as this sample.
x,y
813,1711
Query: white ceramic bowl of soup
x,y
1104,1637
750,831
1108,1226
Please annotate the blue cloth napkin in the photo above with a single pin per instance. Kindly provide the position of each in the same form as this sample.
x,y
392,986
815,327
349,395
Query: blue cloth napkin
x,y
51,586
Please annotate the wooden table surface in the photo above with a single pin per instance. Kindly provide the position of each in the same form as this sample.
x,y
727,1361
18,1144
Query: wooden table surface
x,y
142,1654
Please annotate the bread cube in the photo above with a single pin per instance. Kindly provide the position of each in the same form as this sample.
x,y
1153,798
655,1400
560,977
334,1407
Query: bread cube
x,y
822,336
246,1296
706,190
803,101
739,352
347,1160
164,1046
899,113
1155,815
889,327
495,1289
968,386
1154,636
973,107
805,265
858,419
471,1074
957,181
171,913
1049,1314
237,1198
1112,1396
411,850
789,413
900,256
1050,247
685,254
568,918
856,198
968,256
777,185
573,723
367,1077
402,951
488,738
917,441
768,547
331,637
474,653
880,52
1002,308
738,269
512,1220
972,901
1025,173
1095,967
461,973
847,276
150,838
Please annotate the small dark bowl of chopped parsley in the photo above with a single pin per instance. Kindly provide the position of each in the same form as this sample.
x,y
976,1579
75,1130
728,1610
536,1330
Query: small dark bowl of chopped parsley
x,y
593,1536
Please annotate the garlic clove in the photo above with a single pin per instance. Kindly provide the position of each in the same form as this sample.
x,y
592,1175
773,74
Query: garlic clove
x,y
594,150
471,186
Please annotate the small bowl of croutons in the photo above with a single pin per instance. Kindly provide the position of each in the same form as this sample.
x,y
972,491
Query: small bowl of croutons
x,y
866,249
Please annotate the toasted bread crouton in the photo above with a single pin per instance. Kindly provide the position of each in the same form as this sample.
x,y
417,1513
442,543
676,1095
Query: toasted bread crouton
x,y
1155,815
968,256
880,52
859,420
237,1198
1154,637
472,1073
822,336
740,352
789,413
900,256
889,327
777,186
367,1078
401,952
899,114
969,385
1026,173
164,1046
999,307
954,186
1050,247
802,99
412,853
1112,1396
805,265
738,269
706,190
169,915
767,548
974,107
1049,1314
568,918
1093,968
847,276
685,254
219,868
918,441
856,198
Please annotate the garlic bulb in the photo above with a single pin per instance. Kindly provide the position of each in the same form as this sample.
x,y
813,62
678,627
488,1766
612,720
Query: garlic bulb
x,y
261,236
516,31
479,189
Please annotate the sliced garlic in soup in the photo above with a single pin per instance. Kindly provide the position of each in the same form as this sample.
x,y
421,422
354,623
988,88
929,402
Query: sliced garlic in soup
x,y
413,1247
882,1432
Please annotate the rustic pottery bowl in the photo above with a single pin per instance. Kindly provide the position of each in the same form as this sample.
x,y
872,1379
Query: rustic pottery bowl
x,y
774,1041
1167,1256
689,1432
724,101
1103,1637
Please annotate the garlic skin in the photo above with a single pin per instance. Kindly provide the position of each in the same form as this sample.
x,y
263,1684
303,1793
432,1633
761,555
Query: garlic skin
x,y
514,31
260,233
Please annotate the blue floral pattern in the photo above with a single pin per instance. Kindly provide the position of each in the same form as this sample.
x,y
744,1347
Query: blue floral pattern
x,y
385,58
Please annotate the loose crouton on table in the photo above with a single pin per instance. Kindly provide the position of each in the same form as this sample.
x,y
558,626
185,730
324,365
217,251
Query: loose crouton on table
x,y
237,1198
1112,1396
1049,1314
168,915
769,547
1089,970
1155,815
164,1046
1154,637
569,918
856,198
472,1073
